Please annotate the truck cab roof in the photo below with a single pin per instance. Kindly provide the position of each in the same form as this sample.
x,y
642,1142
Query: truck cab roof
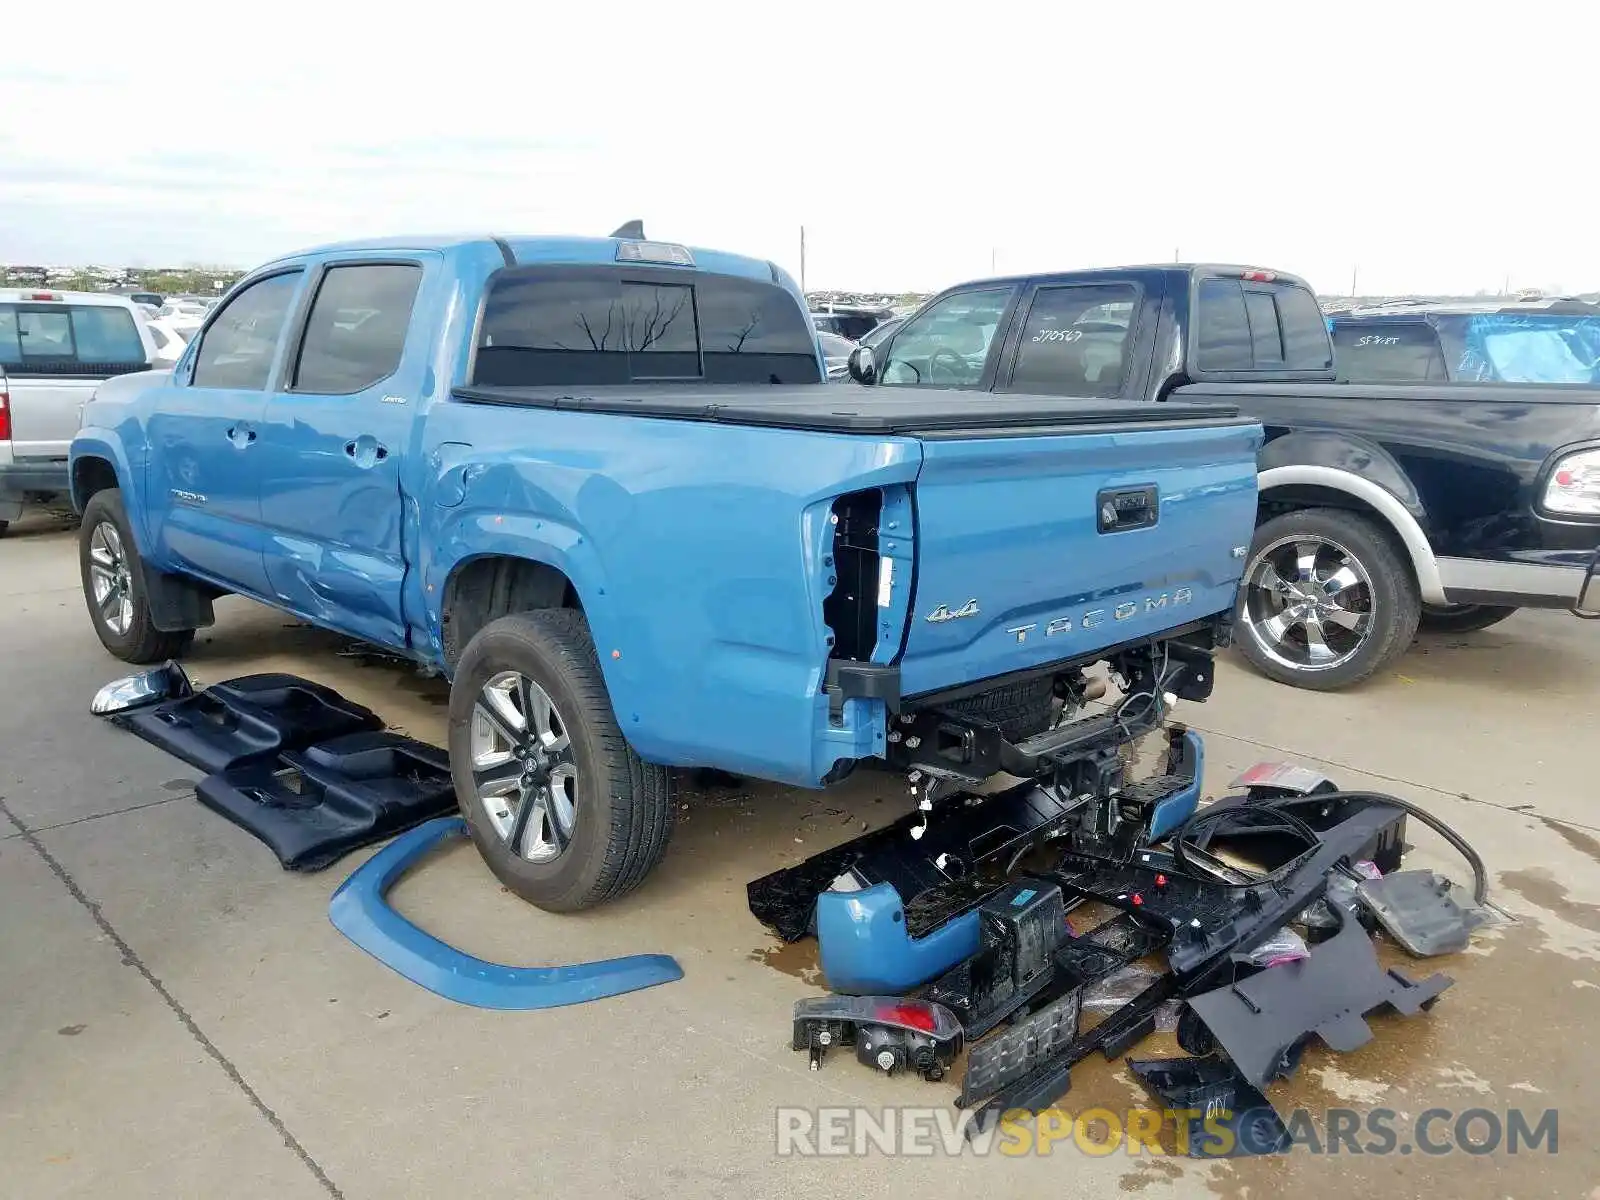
x,y
1135,332
531,249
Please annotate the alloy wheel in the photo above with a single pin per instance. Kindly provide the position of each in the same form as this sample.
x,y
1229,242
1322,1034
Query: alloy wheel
x,y
110,578
1307,602
523,770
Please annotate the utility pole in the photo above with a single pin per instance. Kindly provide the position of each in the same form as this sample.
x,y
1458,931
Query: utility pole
x,y
802,260
1177,254
994,253
1354,272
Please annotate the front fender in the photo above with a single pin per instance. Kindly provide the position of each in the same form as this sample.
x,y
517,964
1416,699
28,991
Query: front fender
x,y
96,442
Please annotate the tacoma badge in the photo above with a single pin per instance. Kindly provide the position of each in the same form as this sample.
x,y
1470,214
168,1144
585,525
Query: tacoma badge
x,y
944,613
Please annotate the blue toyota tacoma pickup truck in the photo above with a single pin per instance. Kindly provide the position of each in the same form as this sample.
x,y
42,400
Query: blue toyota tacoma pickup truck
x,y
602,485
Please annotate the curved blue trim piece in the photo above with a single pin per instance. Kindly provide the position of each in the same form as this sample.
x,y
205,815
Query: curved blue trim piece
x,y
864,949
360,910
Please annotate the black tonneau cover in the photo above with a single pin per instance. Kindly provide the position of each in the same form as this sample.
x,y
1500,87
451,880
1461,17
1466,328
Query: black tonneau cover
x,y
853,408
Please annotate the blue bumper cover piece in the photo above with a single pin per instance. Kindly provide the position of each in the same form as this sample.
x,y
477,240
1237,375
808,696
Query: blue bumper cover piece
x,y
862,943
360,911
864,949
1180,806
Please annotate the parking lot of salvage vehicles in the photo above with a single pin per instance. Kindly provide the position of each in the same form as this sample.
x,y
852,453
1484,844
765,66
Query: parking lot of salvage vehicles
x,y
1078,912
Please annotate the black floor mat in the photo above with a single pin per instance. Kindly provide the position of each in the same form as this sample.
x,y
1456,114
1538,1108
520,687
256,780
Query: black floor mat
x,y
247,720
314,806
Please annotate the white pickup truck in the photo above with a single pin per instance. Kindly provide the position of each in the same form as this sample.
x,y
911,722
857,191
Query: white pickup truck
x,y
55,349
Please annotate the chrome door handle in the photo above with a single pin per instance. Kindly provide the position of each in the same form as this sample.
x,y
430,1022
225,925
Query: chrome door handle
x,y
241,435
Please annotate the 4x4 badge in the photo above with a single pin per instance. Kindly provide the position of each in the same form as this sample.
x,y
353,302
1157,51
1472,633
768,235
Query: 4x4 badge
x,y
944,612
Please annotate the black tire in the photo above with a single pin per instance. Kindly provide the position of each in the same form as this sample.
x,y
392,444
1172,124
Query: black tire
x,y
1393,604
624,808
4,525
1019,710
1461,618
141,642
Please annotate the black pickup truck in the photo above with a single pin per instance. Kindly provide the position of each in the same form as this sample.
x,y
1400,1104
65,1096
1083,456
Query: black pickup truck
x,y
1383,507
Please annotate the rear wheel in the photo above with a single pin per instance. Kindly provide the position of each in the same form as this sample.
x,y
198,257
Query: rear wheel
x,y
113,586
1326,600
566,815
1461,618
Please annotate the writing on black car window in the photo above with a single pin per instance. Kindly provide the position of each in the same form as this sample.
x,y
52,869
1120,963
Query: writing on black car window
x,y
1074,340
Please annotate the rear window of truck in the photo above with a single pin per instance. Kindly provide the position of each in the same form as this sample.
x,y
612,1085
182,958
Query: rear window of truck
x,y
1259,326
51,338
1388,353
582,327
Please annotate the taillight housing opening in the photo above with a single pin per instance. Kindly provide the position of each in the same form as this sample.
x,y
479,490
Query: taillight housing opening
x,y
5,415
851,609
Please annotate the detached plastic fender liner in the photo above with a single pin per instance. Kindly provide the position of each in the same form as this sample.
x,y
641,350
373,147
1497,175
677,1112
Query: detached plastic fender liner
x,y
360,910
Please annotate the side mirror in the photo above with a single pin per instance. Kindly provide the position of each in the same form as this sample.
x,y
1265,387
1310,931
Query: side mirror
x,y
863,364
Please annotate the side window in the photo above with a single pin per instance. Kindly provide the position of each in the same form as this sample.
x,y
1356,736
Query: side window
x,y
1305,331
1259,327
1222,332
1407,353
949,343
357,328
1266,339
238,348
1074,341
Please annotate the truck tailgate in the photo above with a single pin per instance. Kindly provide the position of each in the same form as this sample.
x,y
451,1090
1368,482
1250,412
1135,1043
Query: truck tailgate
x,y
44,413
1014,570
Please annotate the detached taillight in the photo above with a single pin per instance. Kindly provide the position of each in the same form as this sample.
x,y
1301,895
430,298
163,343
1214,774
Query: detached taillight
x,y
5,415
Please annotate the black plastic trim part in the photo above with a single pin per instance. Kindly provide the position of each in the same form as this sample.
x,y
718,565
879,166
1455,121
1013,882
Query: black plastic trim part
x,y
847,408
312,807
963,847
1262,1022
860,681
1507,599
1210,1091
1577,609
506,254
250,719
175,603
1118,510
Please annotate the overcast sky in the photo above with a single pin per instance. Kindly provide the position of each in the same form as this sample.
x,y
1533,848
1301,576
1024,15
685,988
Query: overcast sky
x,y
1432,146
